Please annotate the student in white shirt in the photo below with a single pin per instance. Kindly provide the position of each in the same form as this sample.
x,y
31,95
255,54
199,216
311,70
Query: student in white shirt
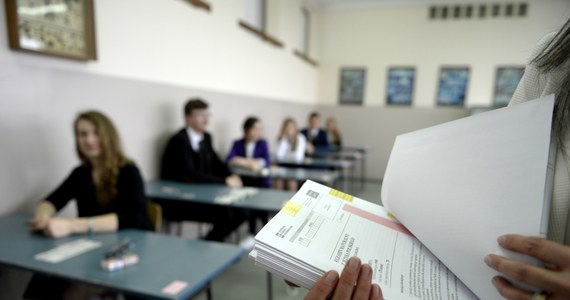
x,y
291,147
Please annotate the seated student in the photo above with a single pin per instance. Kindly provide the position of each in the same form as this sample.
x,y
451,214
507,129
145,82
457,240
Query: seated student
x,y
251,152
316,137
190,157
333,133
108,190
292,146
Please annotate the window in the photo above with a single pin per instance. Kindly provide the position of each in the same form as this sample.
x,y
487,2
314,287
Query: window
x,y
305,37
306,30
255,14
256,21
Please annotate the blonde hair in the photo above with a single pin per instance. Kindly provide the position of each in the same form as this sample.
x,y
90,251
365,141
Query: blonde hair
x,y
335,133
286,123
112,156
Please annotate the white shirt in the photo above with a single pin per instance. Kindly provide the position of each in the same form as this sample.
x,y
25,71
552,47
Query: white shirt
x,y
284,151
195,138
535,84
313,133
249,148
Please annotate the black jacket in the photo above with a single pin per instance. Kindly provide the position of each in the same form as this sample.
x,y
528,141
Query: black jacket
x,y
181,163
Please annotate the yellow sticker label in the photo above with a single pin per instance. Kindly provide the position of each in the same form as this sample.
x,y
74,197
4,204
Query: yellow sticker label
x,y
291,208
341,195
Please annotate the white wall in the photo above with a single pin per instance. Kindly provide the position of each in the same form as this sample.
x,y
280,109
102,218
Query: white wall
x,y
403,35
173,42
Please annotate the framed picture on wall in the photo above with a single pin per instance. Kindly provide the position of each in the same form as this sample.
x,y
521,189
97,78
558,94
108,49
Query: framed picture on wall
x,y
400,90
57,28
506,82
453,83
352,85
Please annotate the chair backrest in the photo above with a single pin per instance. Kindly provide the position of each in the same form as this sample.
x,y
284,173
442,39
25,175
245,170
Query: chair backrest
x,y
155,214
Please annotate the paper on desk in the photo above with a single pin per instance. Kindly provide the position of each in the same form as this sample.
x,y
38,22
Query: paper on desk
x,y
67,250
460,185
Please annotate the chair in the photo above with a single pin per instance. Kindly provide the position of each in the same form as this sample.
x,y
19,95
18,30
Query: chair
x,y
155,214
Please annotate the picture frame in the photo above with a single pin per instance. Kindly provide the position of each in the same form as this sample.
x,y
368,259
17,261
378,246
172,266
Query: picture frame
x,y
507,79
56,28
453,84
400,85
352,83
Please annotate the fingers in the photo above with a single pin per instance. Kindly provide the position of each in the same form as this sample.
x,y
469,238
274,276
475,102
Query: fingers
x,y
364,283
547,251
355,282
523,272
376,293
323,287
348,279
510,292
289,283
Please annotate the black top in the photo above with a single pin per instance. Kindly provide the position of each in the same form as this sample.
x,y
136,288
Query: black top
x,y
129,204
181,163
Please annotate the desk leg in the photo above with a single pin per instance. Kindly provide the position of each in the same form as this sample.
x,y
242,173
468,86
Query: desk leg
x,y
269,287
345,183
209,291
362,166
179,228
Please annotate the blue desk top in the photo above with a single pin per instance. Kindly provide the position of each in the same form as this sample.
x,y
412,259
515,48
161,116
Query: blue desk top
x,y
163,259
318,163
274,172
213,194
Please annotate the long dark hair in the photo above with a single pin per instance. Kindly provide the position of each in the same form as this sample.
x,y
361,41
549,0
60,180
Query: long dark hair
x,y
551,58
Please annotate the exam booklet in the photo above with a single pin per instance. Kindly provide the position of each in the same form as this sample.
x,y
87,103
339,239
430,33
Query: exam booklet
x,y
449,191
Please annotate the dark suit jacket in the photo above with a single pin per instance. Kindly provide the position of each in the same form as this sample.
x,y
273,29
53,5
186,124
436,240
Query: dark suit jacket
x,y
321,141
181,163
261,150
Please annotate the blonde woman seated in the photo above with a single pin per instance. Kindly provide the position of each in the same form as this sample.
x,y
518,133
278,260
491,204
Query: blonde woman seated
x,y
291,147
109,192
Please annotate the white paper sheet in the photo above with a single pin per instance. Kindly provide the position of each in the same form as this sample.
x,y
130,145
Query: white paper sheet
x,y
460,185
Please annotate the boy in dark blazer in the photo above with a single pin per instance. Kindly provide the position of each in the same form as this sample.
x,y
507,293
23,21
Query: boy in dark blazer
x,y
317,139
190,157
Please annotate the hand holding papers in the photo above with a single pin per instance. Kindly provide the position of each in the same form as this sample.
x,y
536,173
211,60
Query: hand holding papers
x,y
455,187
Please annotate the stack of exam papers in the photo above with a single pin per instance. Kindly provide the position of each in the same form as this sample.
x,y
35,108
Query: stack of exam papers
x,y
455,187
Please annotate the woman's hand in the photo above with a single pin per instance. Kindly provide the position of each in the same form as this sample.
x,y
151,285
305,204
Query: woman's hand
x,y
39,222
58,227
554,279
355,282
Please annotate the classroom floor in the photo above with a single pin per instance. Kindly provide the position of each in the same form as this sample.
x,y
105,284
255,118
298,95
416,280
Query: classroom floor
x,y
246,281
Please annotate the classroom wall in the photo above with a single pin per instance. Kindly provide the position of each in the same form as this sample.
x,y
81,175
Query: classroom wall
x,y
39,105
172,42
403,35
377,128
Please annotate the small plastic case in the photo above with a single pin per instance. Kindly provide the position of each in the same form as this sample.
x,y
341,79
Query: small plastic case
x,y
119,262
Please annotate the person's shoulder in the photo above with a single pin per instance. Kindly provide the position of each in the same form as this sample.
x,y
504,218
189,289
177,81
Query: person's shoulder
x,y
129,169
238,142
80,170
301,137
178,137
